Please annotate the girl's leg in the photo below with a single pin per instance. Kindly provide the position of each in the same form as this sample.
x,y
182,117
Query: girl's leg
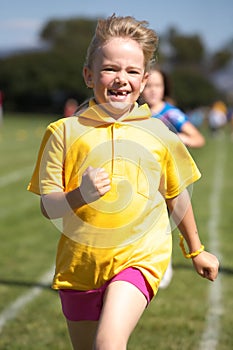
x,y
123,305
167,277
82,334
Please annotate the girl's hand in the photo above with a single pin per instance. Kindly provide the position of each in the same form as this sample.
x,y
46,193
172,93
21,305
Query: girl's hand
x,y
95,183
206,265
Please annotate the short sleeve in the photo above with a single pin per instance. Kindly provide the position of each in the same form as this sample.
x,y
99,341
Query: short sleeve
x,y
179,169
176,118
48,173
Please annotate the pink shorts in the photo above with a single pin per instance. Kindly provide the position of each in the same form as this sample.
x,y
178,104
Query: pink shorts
x,y
87,305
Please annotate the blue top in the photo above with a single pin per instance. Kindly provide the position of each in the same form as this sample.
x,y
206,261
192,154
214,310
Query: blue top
x,y
172,116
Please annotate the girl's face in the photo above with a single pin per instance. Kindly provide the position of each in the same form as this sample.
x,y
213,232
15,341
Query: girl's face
x,y
117,76
153,92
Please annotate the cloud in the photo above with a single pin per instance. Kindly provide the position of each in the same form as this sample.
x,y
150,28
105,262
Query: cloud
x,y
19,32
20,24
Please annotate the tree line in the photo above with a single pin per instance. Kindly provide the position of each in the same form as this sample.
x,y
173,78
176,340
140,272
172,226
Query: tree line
x,y
43,80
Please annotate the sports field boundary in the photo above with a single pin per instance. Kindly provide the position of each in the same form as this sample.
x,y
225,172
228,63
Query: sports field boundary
x,y
15,307
210,336
14,176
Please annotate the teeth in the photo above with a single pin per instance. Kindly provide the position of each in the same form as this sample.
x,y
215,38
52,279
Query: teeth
x,y
122,93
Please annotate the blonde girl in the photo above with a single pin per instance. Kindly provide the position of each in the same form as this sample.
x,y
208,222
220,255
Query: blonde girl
x,y
108,174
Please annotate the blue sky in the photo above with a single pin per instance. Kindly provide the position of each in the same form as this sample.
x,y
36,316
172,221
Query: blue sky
x,y
21,21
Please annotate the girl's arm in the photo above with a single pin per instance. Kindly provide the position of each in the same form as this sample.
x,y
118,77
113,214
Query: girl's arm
x,y
95,183
181,211
191,136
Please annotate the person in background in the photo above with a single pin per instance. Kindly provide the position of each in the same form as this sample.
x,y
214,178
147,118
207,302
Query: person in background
x,y
217,117
157,95
110,172
70,108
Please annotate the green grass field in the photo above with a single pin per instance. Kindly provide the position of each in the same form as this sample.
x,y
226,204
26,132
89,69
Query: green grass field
x,y
177,319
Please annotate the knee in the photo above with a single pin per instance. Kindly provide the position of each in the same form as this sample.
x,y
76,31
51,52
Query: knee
x,y
106,342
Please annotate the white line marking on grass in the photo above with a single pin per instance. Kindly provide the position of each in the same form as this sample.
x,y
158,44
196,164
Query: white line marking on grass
x,y
11,311
14,176
210,336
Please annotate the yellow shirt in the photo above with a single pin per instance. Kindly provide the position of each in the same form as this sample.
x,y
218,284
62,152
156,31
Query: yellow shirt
x,y
128,226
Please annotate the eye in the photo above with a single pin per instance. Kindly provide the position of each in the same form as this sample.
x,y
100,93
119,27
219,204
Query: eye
x,y
134,72
108,69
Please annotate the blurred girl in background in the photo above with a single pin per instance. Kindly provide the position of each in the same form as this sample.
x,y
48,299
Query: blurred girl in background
x,y
157,95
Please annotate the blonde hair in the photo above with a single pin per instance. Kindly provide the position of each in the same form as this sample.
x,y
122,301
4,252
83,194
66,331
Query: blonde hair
x,y
220,106
125,27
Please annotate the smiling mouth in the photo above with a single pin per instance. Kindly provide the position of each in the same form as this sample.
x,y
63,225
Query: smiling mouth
x,y
118,93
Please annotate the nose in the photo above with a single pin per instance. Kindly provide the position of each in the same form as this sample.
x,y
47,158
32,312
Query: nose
x,y
120,78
